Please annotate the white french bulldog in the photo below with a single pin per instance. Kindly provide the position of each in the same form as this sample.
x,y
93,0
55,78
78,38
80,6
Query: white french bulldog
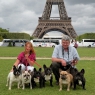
x,y
14,76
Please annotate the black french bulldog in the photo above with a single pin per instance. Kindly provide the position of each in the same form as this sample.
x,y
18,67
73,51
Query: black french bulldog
x,y
78,77
38,78
48,75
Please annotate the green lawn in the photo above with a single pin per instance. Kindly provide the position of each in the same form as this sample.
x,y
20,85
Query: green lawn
x,y
14,51
89,67
43,52
7,64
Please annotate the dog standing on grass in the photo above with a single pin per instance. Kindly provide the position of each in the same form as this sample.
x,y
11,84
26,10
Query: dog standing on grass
x,y
14,76
26,78
38,78
79,79
65,79
48,75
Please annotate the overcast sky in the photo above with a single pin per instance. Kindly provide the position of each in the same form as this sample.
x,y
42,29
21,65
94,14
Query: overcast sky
x,y
22,15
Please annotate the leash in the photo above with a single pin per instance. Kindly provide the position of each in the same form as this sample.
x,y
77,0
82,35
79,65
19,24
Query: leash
x,y
34,63
26,66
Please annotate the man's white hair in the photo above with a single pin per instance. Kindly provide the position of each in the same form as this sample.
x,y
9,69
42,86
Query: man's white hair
x,y
66,38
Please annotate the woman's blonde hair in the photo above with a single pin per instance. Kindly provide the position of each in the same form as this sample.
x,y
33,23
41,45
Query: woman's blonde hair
x,y
32,49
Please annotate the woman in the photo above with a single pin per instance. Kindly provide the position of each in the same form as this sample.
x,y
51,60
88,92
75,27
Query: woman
x,y
26,58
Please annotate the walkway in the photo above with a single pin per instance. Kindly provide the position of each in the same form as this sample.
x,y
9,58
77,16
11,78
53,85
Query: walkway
x,y
82,58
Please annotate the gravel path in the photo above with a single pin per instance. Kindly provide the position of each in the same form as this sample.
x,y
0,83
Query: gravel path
x,y
82,58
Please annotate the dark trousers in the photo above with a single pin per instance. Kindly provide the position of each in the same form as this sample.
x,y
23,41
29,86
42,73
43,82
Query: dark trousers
x,y
55,68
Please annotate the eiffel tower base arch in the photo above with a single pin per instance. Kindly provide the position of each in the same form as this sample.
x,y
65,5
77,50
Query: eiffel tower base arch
x,y
61,23
62,26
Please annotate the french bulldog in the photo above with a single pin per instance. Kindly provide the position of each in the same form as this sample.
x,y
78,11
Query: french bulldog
x,y
79,79
38,78
65,79
48,75
14,76
26,78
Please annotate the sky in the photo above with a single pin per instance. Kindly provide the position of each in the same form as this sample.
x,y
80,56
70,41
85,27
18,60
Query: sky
x,y
22,15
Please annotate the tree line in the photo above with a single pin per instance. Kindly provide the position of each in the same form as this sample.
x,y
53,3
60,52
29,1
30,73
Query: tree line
x,y
5,34
86,36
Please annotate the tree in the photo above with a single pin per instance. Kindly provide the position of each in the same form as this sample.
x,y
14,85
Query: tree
x,y
3,30
86,36
1,38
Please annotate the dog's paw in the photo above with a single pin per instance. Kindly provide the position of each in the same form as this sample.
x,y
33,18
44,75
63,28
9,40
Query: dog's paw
x,y
84,88
60,89
30,87
9,88
51,85
68,89
74,88
6,84
23,88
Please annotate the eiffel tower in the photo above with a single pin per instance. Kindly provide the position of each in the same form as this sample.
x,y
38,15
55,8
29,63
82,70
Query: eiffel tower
x,y
61,24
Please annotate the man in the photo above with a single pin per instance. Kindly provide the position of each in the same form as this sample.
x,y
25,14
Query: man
x,y
63,55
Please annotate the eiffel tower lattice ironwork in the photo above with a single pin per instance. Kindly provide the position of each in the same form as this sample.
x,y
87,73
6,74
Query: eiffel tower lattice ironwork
x,y
61,23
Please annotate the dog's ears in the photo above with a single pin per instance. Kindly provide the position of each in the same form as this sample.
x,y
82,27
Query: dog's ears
x,y
14,67
82,71
40,69
50,66
29,71
35,70
60,70
44,66
20,67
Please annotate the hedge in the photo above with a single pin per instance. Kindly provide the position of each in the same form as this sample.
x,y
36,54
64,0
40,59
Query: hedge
x,y
15,35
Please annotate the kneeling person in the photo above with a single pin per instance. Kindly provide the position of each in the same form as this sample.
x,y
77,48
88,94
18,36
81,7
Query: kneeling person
x,y
63,56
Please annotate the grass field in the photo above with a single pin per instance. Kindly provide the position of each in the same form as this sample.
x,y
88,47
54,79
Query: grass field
x,y
6,65
43,52
89,67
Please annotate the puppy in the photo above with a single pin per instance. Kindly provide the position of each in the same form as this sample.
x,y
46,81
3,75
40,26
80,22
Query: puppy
x,y
48,75
14,76
38,78
26,79
79,79
65,79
